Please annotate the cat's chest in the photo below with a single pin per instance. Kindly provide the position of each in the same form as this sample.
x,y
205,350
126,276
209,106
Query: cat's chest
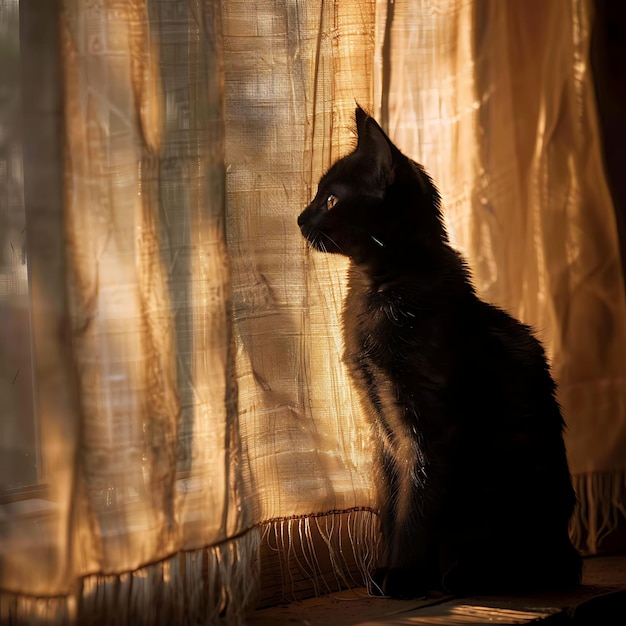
x,y
386,329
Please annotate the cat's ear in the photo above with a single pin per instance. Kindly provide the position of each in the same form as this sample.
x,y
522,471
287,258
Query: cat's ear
x,y
360,116
372,139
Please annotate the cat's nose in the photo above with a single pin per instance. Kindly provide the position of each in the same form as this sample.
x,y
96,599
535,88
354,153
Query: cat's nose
x,y
301,219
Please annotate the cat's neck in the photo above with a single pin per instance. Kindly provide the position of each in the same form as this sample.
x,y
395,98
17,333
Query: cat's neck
x,y
424,271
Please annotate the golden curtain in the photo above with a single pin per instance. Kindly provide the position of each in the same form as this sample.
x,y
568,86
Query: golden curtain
x,y
191,404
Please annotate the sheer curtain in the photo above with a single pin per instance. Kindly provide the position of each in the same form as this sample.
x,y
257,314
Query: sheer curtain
x,y
192,418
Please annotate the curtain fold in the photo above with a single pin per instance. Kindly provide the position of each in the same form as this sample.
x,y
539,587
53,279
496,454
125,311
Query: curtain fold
x,y
149,282
194,417
294,396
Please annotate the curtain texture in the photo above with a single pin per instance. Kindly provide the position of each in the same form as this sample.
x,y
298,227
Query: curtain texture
x,y
192,415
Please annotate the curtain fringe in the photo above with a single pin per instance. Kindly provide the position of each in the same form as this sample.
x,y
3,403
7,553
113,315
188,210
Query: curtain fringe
x,y
601,509
319,554
214,585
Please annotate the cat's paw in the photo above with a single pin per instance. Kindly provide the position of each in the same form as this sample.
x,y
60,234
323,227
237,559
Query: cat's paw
x,y
400,583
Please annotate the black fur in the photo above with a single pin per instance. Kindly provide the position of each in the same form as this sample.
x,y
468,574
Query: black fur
x,y
475,490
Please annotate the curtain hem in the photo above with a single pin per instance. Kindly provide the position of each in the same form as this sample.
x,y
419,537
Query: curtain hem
x,y
282,559
216,584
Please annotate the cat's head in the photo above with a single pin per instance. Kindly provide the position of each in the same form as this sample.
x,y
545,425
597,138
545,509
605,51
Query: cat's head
x,y
374,204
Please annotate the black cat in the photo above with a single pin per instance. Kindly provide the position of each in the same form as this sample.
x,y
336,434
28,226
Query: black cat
x,y
475,493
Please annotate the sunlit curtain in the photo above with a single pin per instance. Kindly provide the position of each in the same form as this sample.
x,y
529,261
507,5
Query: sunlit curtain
x,y
175,418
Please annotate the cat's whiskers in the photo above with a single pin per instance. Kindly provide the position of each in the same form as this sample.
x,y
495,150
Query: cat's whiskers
x,y
313,241
331,241
377,241
318,243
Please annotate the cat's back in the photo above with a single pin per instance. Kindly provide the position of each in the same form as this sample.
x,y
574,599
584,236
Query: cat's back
x,y
509,352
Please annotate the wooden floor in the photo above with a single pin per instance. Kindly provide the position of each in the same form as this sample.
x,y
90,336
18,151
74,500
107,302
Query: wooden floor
x,y
600,600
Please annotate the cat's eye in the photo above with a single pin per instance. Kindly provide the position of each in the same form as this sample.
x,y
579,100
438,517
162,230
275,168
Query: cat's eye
x,y
331,201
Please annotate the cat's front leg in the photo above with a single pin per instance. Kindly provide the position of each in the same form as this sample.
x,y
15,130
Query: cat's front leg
x,y
412,571
387,481
410,566
407,579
